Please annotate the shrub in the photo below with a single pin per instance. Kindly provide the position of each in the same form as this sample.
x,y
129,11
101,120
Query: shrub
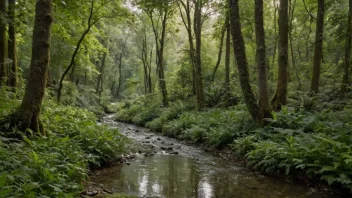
x,y
57,165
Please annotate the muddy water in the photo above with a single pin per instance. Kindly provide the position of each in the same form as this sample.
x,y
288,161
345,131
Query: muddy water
x,y
176,170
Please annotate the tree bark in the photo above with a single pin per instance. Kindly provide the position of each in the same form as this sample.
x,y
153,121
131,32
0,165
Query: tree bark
x,y
347,59
12,45
29,110
263,103
280,96
227,61
198,59
242,64
2,42
318,52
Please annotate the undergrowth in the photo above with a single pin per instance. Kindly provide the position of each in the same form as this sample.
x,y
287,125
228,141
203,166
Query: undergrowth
x,y
56,165
312,138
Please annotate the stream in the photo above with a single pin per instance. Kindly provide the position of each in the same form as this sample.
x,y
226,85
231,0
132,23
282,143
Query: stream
x,y
176,170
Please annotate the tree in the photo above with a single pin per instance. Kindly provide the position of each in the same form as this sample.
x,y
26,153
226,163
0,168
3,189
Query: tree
x,y
223,31
28,114
227,58
90,23
264,103
163,12
318,51
242,64
2,42
347,58
198,60
280,96
12,45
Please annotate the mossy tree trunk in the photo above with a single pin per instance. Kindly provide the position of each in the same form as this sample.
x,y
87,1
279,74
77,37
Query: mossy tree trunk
x,y
280,96
198,59
2,42
242,64
318,51
345,79
29,111
227,61
12,45
264,103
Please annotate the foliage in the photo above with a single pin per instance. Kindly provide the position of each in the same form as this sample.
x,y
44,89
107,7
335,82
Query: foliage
x,y
57,165
295,142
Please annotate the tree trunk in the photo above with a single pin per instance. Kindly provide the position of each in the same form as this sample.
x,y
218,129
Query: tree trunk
x,y
188,25
264,103
161,60
90,24
12,45
276,41
220,48
29,110
102,75
198,59
318,52
292,11
2,42
120,76
345,79
280,96
227,61
242,64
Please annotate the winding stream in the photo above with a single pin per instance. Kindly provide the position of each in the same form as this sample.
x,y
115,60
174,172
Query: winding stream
x,y
176,170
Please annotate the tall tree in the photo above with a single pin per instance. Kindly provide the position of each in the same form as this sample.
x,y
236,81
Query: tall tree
x,y
12,45
223,31
2,42
198,59
347,59
227,59
280,96
163,10
318,51
28,115
187,22
264,103
242,64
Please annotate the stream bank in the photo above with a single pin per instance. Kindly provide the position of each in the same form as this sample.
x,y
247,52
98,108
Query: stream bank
x,y
170,168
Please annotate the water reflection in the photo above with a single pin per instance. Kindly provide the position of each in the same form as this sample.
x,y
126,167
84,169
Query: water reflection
x,y
172,176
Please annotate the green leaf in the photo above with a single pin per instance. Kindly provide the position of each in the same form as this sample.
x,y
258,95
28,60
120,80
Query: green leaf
x,y
2,180
328,178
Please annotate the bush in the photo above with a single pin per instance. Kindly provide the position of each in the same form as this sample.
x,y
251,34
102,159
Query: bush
x,y
57,165
173,111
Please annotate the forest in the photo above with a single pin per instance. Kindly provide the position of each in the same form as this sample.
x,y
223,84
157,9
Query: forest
x,y
213,90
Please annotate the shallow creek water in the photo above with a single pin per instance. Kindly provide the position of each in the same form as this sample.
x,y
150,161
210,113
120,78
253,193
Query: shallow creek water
x,y
189,172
